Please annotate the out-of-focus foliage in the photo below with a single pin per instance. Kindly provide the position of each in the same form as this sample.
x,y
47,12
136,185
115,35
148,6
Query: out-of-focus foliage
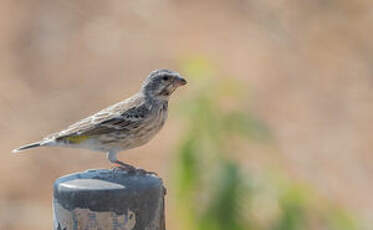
x,y
217,193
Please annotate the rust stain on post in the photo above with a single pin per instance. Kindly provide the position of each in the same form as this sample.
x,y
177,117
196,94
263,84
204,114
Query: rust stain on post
x,y
87,219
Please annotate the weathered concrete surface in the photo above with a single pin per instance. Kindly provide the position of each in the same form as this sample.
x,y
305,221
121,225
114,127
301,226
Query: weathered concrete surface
x,y
109,200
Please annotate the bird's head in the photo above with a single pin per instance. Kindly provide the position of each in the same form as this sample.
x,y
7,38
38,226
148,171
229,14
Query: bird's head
x,y
160,84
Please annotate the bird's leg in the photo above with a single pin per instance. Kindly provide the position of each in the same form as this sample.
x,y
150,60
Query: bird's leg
x,y
112,157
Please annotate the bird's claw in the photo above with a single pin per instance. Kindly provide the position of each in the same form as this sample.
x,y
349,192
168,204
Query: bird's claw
x,y
131,170
120,167
143,171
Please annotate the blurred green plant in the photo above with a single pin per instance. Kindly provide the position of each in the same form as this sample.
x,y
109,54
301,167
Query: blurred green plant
x,y
216,193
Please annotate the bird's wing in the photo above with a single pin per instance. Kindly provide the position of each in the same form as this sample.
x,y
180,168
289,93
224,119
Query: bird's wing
x,y
119,117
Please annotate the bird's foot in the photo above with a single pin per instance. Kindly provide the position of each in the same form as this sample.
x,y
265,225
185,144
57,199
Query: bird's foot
x,y
118,165
118,169
144,172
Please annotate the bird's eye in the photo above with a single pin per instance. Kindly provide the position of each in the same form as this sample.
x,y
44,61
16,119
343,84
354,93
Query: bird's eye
x,y
165,78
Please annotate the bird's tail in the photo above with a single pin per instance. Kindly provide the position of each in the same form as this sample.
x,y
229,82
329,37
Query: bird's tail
x,y
29,146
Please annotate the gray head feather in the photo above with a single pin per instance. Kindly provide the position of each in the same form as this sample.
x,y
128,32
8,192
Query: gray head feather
x,y
161,83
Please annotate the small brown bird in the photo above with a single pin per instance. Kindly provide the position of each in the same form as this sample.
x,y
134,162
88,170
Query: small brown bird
x,y
125,125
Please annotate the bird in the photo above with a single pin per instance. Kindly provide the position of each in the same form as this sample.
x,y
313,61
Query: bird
x,y
128,124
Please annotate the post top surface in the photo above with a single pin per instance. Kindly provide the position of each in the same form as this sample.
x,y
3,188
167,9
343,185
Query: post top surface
x,y
105,179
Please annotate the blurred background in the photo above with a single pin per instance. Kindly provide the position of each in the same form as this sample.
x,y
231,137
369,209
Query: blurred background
x,y
272,132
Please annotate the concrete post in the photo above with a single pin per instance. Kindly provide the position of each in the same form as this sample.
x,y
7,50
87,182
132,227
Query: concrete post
x,y
105,199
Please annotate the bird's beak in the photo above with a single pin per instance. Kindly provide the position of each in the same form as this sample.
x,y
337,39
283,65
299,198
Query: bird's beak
x,y
179,81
